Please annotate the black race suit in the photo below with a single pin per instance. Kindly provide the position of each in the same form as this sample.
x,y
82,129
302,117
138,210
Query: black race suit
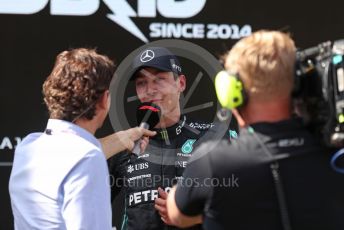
x,y
161,164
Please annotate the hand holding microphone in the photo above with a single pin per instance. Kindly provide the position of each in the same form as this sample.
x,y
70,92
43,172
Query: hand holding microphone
x,y
124,140
148,116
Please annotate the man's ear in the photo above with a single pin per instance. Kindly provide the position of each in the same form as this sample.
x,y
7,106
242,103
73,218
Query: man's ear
x,y
104,100
182,82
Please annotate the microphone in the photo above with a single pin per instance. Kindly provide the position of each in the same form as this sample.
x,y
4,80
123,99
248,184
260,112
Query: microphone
x,y
148,116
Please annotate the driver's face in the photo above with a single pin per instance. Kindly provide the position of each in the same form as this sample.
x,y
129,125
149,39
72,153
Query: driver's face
x,y
161,88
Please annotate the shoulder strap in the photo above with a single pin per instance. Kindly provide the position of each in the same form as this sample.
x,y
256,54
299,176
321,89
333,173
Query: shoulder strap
x,y
274,166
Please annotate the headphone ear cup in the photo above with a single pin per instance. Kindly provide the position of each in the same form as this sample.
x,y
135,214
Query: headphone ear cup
x,y
229,90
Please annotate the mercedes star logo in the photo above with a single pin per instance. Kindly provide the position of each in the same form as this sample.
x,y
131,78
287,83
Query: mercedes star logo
x,y
147,56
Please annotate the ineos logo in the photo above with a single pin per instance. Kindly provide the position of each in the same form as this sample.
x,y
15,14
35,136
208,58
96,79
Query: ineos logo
x,y
147,55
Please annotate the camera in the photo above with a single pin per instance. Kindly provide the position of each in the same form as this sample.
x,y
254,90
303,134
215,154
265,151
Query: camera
x,y
318,95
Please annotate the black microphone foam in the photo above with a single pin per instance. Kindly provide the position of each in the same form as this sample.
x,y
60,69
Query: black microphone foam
x,y
148,113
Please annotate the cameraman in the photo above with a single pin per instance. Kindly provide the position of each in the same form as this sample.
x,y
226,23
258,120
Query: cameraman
x,y
276,175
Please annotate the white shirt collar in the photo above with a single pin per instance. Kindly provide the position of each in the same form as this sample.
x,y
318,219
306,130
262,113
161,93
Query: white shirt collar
x,y
61,126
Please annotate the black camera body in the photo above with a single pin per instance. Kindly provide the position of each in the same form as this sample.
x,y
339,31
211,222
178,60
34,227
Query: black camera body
x,y
319,91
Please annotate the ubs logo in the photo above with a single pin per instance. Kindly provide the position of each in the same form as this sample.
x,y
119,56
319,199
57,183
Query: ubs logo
x,y
137,167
